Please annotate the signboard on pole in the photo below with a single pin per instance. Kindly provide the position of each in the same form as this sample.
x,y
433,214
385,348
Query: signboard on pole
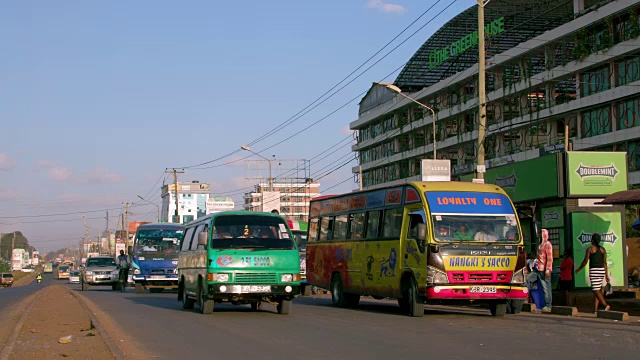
x,y
436,170
218,204
593,173
270,201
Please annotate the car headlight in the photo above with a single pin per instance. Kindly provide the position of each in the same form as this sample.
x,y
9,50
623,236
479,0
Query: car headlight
x,y
221,277
436,276
518,277
136,271
115,272
88,272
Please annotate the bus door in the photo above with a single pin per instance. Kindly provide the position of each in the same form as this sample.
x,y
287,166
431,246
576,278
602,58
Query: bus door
x,y
385,253
414,256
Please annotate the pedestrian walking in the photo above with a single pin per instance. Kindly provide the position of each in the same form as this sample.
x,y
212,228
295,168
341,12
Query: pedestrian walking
x,y
545,265
123,274
596,256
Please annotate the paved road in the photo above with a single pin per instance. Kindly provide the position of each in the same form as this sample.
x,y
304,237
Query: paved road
x,y
10,296
376,330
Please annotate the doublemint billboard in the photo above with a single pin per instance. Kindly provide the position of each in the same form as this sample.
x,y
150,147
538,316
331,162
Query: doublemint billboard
x,y
609,226
525,180
592,173
552,217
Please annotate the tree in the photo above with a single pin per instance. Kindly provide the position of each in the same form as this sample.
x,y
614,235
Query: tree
x,y
20,242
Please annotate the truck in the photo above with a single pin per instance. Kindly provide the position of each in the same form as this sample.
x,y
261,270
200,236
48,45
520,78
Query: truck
x,y
17,259
35,258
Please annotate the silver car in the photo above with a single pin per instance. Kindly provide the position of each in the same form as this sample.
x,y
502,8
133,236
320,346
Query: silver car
x,y
100,270
74,277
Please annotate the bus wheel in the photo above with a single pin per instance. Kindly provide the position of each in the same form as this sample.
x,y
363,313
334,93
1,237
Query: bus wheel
x,y
337,295
139,288
284,307
414,300
498,308
187,302
206,305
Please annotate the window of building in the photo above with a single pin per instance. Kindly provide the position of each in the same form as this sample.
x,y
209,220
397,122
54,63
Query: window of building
x,y
628,70
596,122
627,113
595,81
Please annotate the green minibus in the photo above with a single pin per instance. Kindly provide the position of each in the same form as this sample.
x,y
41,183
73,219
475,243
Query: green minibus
x,y
240,257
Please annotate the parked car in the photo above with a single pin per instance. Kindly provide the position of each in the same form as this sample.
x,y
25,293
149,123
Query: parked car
x,y
74,277
100,271
6,279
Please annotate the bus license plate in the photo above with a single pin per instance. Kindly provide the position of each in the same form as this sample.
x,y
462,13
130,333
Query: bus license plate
x,y
157,277
255,288
483,289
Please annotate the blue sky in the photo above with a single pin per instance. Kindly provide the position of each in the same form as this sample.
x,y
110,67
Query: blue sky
x,y
98,98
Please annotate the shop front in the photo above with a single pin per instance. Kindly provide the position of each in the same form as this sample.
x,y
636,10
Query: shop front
x,y
560,192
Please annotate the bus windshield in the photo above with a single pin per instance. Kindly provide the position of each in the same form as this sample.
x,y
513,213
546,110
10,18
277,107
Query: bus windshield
x,y
475,228
250,231
158,241
472,217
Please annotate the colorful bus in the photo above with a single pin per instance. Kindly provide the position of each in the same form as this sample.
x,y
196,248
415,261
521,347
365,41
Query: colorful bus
x,y
48,267
299,230
155,256
419,242
241,257
63,271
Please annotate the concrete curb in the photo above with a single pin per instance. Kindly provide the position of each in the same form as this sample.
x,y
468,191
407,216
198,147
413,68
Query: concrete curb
x,y
564,310
11,341
613,315
115,350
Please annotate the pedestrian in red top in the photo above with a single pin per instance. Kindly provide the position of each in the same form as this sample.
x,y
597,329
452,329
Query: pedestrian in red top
x,y
545,265
566,276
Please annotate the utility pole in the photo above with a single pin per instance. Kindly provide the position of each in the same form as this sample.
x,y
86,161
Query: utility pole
x,y
482,103
122,232
127,226
13,240
175,185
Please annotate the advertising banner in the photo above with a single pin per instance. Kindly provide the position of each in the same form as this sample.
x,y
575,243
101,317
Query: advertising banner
x,y
526,180
609,226
552,217
591,173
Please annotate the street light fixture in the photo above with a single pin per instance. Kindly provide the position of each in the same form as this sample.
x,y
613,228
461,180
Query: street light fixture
x,y
156,205
397,90
270,181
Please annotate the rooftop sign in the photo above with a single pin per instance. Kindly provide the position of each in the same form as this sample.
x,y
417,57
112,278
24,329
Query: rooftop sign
x,y
438,56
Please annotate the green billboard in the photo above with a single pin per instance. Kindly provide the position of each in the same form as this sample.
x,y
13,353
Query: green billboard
x,y
552,217
609,226
591,173
525,180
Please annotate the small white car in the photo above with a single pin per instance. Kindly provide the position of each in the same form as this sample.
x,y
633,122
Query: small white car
x,y
74,277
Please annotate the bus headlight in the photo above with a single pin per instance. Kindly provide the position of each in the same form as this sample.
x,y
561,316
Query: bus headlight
x,y
221,277
518,277
175,271
136,271
436,276
289,277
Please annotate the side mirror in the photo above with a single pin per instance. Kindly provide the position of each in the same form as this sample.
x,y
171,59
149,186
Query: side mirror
x,y
202,239
422,232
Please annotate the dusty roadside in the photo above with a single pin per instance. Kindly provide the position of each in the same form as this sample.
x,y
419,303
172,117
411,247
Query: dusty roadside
x,y
56,313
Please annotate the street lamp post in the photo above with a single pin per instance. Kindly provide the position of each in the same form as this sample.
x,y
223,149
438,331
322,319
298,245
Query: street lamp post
x,y
395,89
482,103
270,181
156,205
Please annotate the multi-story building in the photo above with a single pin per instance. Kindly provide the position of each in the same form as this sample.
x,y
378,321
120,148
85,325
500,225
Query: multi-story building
x,y
290,199
192,201
552,67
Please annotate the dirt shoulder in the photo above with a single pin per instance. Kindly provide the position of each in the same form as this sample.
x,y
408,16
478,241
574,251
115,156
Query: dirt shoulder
x,y
55,314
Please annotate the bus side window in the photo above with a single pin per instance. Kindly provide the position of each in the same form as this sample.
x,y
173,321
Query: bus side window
x,y
324,229
313,230
186,241
194,242
373,224
392,223
330,230
415,218
356,225
340,227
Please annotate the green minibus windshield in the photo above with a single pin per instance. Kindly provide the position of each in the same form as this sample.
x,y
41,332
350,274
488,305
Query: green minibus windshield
x,y
250,232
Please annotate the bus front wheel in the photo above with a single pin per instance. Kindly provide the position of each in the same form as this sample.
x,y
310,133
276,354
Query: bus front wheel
x,y
498,308
187,302
284,307
414,302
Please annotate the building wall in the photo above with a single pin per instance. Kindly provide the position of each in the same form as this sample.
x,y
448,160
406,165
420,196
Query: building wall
x,y
294,198
192,199
587,79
